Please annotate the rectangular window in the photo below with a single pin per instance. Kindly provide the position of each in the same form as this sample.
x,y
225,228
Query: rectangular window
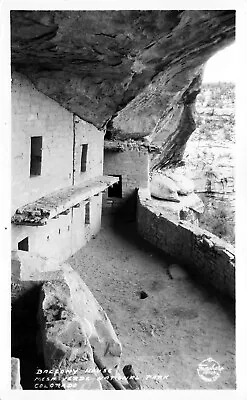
x,y
116,189
84,148
23,245
87,214
36,155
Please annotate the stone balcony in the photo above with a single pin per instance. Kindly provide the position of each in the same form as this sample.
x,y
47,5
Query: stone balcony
x,y
40,211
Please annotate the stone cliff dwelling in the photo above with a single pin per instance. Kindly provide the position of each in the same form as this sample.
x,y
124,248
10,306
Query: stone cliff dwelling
x,y
130,163
109,264
57,175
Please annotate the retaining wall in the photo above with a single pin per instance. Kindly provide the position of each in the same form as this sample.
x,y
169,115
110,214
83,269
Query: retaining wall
x,y
204,253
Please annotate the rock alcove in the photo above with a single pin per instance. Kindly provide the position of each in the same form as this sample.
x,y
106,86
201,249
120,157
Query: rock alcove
x,y
134,74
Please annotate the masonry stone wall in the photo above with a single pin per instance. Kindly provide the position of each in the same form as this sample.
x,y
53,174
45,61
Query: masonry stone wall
x,y
204,253
133,166
86,133
34,114
62,236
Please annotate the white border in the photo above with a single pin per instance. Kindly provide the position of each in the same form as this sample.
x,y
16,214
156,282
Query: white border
x,y
241,7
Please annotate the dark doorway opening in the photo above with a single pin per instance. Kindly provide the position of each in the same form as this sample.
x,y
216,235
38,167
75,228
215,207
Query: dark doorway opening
x,y
116,189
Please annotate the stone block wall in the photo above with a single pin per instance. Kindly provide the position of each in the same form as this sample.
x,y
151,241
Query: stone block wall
x,y
62,236
51,240
34,114
205,254
133,167
86,133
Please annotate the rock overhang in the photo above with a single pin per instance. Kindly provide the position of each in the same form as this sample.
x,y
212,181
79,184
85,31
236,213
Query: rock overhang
x,y
132,73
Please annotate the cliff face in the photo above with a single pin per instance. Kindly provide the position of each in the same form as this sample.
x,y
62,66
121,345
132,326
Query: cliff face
x,y
209,158
134,74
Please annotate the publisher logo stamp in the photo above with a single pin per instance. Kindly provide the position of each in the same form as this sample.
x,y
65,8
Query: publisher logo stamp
x,y
209,370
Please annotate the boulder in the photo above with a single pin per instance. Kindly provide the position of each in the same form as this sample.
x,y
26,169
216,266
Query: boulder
x,y
65,340
193,202
184,184
164,188
102,336
189,215
72,323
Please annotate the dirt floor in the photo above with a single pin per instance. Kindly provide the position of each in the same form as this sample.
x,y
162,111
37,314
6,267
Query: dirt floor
x,y
166,335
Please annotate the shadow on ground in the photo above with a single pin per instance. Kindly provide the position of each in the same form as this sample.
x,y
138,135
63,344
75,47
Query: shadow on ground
x,y
178,324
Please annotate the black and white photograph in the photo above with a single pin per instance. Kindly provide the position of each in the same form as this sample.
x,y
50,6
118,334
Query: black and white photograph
x,y
122,209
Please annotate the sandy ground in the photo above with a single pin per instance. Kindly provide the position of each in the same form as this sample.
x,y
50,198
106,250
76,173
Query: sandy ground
x,y
166,335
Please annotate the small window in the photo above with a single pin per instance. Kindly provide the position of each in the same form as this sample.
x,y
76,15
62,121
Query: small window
x,y
36,155
87,214
23,245
84,148
116,189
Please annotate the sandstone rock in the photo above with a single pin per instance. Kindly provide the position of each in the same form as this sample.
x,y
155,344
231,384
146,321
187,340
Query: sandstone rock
x,y
72,323
189,215
84,304
186,209
71,320
133,72
65,340
195,203
163,188
184,184
15,373
192,202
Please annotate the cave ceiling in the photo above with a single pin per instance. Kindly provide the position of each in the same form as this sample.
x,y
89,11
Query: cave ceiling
x,y
135,74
